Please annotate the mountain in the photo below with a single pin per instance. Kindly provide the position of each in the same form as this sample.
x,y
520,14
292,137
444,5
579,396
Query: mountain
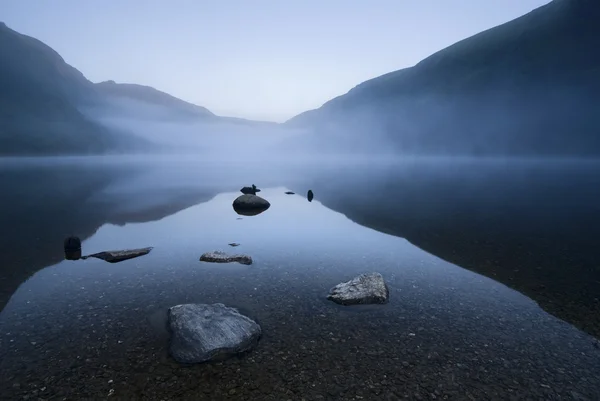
x,y
122,96
39,98
152,97
525,87
48,107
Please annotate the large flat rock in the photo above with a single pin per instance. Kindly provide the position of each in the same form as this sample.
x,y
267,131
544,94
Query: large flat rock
x,y
203,332
364,289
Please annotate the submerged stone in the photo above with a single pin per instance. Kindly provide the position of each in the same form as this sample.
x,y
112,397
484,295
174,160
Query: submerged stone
x,y
364,289
119,256
222,257
202,332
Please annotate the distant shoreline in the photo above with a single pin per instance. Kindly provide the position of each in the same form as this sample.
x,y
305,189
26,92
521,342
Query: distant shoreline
x,y
352,159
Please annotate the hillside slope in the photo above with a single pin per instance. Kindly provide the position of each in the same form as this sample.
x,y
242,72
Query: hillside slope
x,y
48,107
148,102
39,98
152,97
528,86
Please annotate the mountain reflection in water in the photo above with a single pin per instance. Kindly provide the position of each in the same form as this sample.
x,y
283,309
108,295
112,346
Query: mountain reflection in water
x,y
532,225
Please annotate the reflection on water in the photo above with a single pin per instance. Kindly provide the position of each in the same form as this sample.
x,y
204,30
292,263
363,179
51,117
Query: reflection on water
x,y
532,225
45,201
85,329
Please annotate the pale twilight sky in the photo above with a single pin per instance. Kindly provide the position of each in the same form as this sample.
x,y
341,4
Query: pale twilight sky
x,y
258,59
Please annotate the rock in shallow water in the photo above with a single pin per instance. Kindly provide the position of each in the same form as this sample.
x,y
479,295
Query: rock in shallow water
x,y
364,289
201,332
119,256
222,257
250,190
72,248
249,202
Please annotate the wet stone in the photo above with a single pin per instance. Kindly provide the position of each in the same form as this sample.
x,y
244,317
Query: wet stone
x,y
250,190
203,332
119,256
364,289
250,202
222,257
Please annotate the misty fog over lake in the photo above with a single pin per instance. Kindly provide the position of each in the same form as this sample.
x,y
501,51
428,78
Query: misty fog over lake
x,y
300,201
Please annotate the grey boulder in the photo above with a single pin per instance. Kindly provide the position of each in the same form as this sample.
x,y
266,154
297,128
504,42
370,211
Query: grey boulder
x,y
202,332
222,257
364,289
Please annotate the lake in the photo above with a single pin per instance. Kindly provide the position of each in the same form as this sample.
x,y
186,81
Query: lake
x,y
491,265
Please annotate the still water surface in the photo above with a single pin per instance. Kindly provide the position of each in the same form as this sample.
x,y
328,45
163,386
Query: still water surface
x,y
94,330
